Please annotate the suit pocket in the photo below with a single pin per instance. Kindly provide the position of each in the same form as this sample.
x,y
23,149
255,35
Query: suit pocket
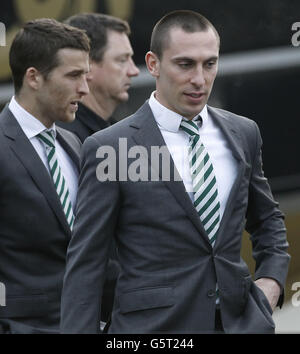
x,y
261,308
146,298
263,299
25,306
28,303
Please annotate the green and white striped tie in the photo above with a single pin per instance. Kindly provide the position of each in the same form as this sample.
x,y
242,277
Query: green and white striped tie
x,y
47,137
204,182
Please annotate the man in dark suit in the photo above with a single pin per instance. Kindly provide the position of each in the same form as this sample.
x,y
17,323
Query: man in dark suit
x,y
39,172
175,184
112,68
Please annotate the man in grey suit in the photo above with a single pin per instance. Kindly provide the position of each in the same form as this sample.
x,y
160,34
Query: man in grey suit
x,y
177,222
109,79
39,172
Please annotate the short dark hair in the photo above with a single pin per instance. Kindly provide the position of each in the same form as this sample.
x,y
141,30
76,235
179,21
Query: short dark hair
x,y
188,21
96,27
37,43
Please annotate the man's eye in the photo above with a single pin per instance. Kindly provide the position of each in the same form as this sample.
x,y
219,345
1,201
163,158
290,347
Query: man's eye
x,y
74,75
211,64
122,60
184,65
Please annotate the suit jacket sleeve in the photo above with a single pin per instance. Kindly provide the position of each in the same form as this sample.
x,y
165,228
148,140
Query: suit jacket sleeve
x,y
265,223
88,250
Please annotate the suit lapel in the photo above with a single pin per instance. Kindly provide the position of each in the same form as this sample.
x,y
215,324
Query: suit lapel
x,y
27,155
149,135
230,133
73,153
235,144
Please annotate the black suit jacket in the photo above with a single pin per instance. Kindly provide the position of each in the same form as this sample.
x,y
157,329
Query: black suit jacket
x,y
34,233
86,123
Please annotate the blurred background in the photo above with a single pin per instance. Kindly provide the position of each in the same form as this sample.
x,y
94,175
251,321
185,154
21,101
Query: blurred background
x,y
259,77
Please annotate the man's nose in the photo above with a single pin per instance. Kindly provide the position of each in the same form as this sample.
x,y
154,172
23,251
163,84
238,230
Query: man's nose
x,y
198,77
133,70
84,87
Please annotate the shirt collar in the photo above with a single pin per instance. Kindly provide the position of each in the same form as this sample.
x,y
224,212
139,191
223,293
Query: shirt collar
x,y
168,119
29,124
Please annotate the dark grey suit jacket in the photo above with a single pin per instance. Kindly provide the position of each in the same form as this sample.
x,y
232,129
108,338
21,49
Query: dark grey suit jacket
x,y
87,123
34,233
169,269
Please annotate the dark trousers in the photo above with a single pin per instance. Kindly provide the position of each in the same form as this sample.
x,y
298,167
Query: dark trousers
x,y
218,323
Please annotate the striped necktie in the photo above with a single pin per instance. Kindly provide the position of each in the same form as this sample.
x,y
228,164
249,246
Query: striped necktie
x,y
204,182
47,137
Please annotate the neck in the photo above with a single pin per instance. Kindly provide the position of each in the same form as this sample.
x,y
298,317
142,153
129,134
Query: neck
x,y
101,106
28,103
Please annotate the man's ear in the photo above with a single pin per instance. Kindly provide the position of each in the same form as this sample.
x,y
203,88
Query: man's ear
x,y
33,78
153,64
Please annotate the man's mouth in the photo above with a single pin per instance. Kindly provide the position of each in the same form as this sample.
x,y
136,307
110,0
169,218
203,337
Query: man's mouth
x,y
195,97
195,94
74,105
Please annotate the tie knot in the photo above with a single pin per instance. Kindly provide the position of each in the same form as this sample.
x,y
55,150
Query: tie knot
x,y
47,137
189,127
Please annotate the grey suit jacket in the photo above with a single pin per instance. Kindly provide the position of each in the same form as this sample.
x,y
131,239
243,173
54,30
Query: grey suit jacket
x,y
169,269
34,232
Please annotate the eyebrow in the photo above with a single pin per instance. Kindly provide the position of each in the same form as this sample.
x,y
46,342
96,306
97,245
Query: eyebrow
x,y
215,57
76,72
191,59
183,58
124,54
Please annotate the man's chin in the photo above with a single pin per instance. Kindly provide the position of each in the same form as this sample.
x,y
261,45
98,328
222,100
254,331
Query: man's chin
x,y
124,97
196,110
68,118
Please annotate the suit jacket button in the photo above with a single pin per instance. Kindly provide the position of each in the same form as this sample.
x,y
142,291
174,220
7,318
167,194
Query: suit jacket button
x,y
211,293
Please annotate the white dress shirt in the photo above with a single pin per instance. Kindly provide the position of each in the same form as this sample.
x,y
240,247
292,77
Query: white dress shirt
x,y
177,141
32,127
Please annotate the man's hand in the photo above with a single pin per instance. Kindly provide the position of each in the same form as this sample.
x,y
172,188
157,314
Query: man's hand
x,y
271,289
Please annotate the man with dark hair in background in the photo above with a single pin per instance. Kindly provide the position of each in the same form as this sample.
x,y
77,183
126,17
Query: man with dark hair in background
x,y
39,172
111,70
178,237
